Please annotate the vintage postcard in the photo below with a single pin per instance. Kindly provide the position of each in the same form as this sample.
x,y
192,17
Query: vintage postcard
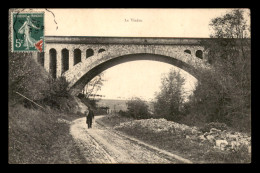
x,y
120,86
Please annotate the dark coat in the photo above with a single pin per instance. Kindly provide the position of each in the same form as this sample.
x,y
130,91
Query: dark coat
x,y
90,115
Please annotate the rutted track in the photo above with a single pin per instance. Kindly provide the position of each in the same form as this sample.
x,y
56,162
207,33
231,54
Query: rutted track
x,y
105,145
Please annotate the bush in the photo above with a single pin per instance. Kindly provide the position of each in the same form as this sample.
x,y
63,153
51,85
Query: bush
x,y
30,79
56,94
137,109
123,113
192,119
57,87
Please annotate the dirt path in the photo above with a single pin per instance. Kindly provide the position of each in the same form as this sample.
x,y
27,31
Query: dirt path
x,y
105,145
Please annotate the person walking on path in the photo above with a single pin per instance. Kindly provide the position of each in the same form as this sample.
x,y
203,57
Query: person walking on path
x,y
89,117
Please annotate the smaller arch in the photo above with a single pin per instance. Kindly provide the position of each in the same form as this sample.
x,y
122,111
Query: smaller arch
x,y
64,60
187,51
101,50
53,62
89,52
77,56
199,54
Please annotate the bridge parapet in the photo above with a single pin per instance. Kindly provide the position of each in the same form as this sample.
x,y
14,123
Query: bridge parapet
x,y
124,40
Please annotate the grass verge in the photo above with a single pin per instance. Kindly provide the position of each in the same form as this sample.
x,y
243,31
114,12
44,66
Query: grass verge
x,y
37,137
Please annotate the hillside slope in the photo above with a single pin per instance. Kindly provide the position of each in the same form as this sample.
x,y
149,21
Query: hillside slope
x,y
37,135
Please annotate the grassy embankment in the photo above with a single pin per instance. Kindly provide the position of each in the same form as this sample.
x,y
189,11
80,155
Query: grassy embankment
x,y
196,151
36,135
39,137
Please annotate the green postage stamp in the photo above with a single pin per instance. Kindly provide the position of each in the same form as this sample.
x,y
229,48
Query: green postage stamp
x,y
27,31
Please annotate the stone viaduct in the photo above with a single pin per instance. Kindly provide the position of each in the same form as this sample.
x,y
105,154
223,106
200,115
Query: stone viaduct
x,y
80,59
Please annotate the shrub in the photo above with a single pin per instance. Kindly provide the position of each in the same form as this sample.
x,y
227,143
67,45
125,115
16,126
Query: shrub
x,y
30,79
56,94
123,113
137,109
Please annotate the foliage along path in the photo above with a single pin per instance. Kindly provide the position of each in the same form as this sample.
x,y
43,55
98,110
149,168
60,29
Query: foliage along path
x,y
105,145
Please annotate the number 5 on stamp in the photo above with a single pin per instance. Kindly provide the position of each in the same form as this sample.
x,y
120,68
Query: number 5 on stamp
x,y
27,32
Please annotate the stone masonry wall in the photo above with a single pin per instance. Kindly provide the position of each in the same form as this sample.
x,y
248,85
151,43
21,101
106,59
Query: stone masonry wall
x,y
76,71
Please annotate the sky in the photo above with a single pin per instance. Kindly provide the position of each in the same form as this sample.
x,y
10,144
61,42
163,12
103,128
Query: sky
x,y
112,22
138,78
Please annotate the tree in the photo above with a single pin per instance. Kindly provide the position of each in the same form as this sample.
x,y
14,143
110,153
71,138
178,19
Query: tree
x,y
231,25
90,90
232,32
170,99
223,94
93,86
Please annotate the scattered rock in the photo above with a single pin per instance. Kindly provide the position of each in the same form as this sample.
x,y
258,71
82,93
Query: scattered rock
x,y
221,144
232,136
210,138
249,149
214,130
187,137
202,138
234,145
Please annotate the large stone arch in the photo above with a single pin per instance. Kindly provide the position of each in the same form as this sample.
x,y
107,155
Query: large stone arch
x,y
88,71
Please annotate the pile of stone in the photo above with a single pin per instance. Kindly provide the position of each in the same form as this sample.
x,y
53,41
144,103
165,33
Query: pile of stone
x,y
160,125
226,140
221,139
